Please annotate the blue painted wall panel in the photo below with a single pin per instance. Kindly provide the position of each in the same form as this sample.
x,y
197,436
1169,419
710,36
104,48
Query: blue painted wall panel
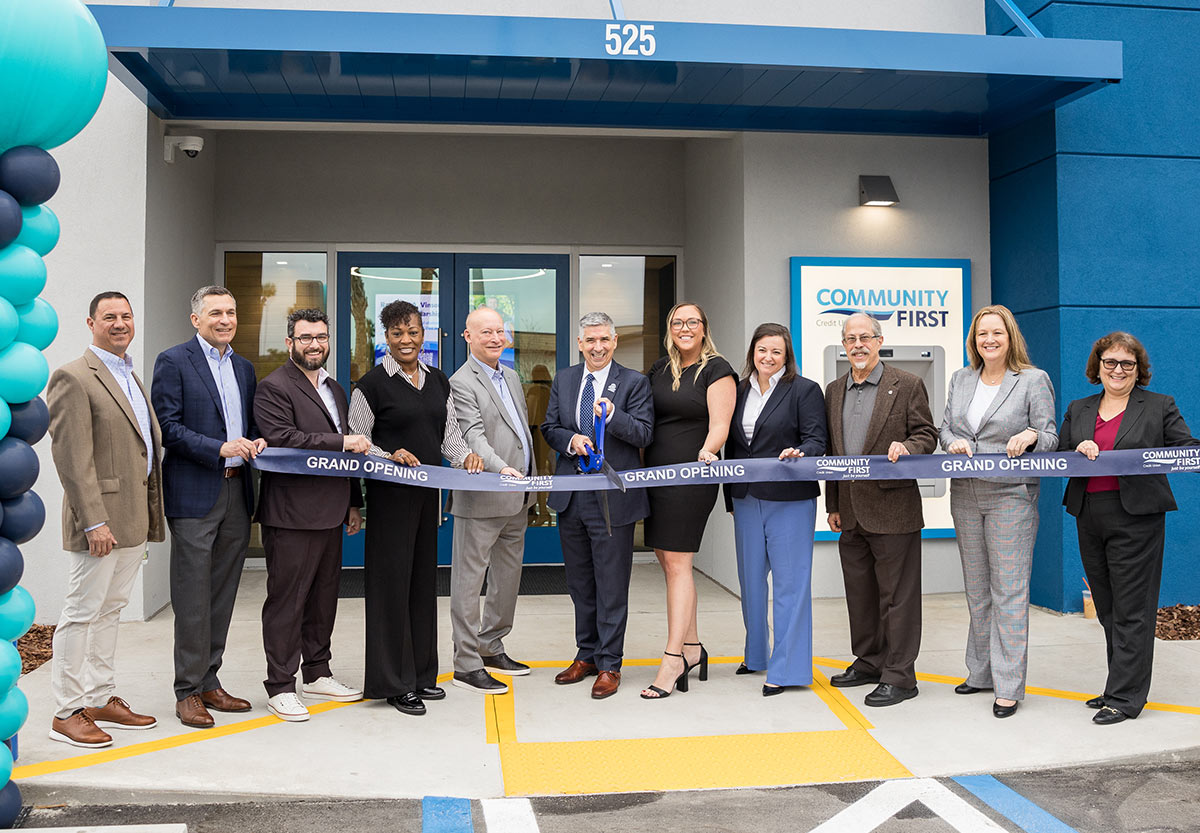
x,y
1025,248
1023,145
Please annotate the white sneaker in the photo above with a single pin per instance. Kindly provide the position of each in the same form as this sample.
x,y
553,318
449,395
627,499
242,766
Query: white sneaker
x,y
330,689
287,706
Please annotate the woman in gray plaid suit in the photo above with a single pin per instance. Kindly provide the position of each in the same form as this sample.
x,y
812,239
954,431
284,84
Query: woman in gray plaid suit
x,y
1000,404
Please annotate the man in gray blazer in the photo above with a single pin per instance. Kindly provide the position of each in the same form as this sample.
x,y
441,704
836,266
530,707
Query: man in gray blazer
x,y
489,527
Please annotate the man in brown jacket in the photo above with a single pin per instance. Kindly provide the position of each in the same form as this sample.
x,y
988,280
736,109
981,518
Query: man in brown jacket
x,y
876,409
106,447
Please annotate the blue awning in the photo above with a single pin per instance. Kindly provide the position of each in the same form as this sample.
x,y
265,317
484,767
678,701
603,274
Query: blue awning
x,y
314,66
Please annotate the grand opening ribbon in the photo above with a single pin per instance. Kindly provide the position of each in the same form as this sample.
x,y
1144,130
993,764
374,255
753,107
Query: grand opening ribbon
x,y
918,466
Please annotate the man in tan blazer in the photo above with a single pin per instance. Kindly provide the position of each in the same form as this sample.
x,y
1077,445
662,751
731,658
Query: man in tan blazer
x,y
876,409
106,447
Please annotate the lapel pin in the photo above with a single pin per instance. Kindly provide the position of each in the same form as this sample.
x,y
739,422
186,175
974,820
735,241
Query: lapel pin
x,y
612,387
889,393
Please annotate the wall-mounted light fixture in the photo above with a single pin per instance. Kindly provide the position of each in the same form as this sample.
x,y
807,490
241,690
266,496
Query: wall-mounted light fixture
x,y
876,190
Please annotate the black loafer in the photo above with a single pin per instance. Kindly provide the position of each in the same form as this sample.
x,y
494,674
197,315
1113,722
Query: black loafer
x,y
772,690
432,692
1095,702
852,677
1005,711
886,694
409,704
480,681
1108,715
744,669
505,664
966,688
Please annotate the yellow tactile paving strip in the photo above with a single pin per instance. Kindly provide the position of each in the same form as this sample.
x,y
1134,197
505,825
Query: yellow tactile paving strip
x,y
639,764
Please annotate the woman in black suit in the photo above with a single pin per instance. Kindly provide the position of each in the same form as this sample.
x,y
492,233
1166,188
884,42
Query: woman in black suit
x,y
780,414
1121,520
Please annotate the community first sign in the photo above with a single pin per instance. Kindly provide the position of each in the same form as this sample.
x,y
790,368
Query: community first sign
x,y
923,308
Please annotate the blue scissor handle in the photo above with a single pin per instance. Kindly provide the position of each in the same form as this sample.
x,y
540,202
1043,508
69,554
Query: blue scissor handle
x,y
594,463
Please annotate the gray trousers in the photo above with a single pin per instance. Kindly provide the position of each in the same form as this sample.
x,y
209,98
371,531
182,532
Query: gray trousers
x,y
494,546
996,523
206,567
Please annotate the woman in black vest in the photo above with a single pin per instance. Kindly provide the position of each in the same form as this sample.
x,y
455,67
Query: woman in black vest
x,y
405,409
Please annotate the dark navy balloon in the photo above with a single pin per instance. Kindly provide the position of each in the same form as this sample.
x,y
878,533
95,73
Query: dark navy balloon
x,y
10,222
23,518
10,804
30,420
19,467
29,174
12,565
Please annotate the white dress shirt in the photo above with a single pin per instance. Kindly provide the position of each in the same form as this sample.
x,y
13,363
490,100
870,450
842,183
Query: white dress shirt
x,y
980,402
221,367
601,379
756,400
324,380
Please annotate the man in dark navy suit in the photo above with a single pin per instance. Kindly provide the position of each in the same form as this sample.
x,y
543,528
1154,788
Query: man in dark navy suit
x,y
598,564
203,393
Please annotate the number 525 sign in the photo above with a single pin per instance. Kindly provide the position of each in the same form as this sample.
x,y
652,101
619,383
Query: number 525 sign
x,y
629,39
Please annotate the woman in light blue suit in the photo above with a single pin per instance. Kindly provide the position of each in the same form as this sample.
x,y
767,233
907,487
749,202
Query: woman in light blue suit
x,y
1000,404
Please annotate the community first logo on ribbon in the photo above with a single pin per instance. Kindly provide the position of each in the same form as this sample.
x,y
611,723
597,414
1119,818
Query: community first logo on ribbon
x,y
1123,463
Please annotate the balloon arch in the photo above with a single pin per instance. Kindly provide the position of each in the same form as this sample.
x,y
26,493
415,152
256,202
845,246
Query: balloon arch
x,y
53,68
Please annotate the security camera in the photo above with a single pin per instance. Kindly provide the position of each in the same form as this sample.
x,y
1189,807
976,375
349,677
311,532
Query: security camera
x,y
191,145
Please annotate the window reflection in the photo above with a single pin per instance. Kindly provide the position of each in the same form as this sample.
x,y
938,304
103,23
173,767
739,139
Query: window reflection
x,y
636,292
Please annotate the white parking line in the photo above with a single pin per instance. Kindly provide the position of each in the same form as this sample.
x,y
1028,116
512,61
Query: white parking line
x,y
509,815
889,798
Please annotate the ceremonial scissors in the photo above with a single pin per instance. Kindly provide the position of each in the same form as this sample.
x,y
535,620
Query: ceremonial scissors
x,y
595,463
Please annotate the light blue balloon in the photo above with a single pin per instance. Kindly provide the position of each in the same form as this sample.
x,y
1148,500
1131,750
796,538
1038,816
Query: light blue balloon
x,y
16,613
38,323
10,665
10,323
14,708
22,274
5,418
23,372
53,71
39,229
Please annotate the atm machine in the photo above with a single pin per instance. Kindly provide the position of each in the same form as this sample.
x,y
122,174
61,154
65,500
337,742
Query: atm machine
x,y
927,363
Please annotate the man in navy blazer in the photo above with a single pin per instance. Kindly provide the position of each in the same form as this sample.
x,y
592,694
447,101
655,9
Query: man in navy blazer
x,y
598,564
203,393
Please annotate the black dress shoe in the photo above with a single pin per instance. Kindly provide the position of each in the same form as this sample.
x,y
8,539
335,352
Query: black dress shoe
x,y
505,664
432,692
852,677
1095,702
1108,715
409,704
743,669
965,688
886,694
480,681
1005,711
772,690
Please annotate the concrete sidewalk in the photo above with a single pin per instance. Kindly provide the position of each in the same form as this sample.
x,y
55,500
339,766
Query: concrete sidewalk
x,y
543,739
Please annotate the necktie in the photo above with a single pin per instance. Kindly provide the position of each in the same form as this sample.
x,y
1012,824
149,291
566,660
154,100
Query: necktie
x,y
587,402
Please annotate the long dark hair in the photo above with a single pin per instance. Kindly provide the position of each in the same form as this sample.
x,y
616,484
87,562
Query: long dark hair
x,y
762,331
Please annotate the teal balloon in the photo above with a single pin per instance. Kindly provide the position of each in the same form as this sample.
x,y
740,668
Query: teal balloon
x,y
52,73
39,229
23,372
10,666
16,613
5,418
22,274
10,324
14,708
6,764
37,323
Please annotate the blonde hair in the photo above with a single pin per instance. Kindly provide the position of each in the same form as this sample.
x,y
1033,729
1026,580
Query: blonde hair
x,y
708,348
1018,354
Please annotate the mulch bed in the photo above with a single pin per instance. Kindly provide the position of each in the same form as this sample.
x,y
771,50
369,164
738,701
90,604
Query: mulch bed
x,y
34,647
1178,622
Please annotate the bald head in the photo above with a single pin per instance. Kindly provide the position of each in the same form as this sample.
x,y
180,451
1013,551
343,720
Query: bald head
x,y
485,335
857,319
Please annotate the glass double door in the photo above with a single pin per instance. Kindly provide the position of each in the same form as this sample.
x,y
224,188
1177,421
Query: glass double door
x,y
531,293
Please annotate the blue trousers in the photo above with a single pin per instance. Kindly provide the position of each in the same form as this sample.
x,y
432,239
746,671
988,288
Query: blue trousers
x,y
776,537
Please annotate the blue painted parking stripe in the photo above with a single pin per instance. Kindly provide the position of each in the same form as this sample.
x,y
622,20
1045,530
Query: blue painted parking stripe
x,y
446,815
1012,805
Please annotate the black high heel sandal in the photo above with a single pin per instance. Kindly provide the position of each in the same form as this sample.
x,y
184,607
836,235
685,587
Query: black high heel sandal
x,y
701,663
681,682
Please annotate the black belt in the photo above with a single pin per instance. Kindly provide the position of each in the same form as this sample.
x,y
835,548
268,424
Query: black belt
x,y
233,471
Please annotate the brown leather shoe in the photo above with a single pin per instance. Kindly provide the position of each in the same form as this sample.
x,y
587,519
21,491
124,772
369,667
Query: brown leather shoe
x,y
575,672
220,700
116,714
606,684
191,712
79,730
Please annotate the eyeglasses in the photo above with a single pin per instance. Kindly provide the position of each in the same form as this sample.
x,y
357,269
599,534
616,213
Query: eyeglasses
x,y
691,324
1111,364
306,340
857,339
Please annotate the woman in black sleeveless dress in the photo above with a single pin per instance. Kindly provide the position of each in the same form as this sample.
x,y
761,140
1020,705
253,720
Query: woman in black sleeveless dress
x,y
405,409
694,394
